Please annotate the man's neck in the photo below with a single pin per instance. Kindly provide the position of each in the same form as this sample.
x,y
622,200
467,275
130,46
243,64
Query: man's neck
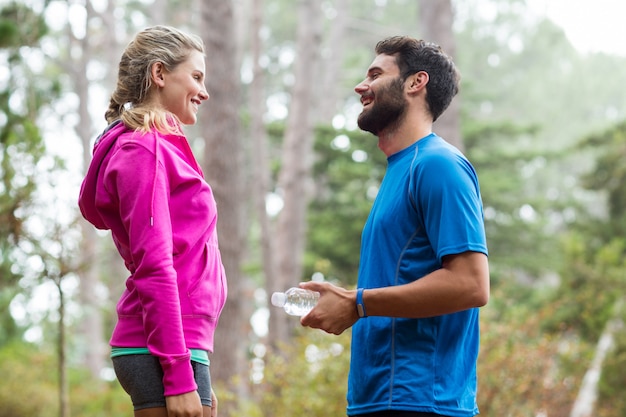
x,y
393,141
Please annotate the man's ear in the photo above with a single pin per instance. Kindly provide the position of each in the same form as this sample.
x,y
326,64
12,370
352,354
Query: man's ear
x,y
418,81
156,73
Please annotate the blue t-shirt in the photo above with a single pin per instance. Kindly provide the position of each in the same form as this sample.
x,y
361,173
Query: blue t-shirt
x,y
428,206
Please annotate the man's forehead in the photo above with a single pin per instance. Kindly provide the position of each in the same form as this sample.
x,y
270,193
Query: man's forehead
x,y
384,62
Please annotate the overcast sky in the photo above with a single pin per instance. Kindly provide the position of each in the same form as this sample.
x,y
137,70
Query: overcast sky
x,y
591,26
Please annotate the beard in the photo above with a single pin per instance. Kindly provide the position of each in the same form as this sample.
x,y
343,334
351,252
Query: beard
x,y
387,110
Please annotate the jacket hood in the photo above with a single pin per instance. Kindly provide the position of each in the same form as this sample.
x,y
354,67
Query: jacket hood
x,y
88,189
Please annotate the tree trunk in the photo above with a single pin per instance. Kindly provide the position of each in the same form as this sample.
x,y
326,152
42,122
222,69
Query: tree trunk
x,y
331,68
295,175
435,23
64,393
91,325
260,159
588,394
225,172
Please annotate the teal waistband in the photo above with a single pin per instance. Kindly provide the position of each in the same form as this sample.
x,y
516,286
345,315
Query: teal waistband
x,y
197,355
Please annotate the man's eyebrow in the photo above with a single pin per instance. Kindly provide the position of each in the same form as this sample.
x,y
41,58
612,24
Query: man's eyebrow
x,y
374,69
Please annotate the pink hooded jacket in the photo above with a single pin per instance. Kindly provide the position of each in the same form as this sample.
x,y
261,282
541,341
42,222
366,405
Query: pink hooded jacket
x,y
150,192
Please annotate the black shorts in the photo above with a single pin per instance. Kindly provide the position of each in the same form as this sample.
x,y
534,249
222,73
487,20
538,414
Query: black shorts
x,y
141,376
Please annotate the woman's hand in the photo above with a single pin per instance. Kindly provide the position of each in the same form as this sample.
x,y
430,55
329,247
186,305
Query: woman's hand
x,y
213,404
184,405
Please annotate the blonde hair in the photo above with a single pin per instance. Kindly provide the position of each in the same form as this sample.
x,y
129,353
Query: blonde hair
x,y
130,99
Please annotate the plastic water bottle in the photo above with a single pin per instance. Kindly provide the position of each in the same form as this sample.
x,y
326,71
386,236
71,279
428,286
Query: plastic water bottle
x,y
296,301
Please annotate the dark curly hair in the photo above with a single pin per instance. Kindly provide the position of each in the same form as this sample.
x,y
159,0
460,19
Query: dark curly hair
x,y
414,55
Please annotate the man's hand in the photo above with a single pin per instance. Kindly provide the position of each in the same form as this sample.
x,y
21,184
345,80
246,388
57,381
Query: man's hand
x,y
335,311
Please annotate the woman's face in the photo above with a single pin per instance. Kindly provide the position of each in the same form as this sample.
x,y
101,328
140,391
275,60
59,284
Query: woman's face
x,y
183,90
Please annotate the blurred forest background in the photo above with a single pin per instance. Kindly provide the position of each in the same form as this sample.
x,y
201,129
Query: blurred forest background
x,y
543,123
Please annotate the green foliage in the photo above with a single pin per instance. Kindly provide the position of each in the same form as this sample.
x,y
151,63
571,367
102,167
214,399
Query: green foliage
x,y
523,107
307,377
20,26
20,148
521,369
28,386
516,218
9,330
592,282
593,277
609,173
521,115
21,145
347,172
611,399
97,398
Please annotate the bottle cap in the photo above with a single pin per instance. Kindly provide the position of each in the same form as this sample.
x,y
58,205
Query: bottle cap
x,y
278,299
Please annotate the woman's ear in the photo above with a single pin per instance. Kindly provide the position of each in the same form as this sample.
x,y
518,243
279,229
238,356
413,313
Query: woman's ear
x,y
156,72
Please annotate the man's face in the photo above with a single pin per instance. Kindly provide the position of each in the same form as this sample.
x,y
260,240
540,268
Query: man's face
x,y
382,96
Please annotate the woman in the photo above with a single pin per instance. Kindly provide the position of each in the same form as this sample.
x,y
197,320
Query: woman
x,y
145,185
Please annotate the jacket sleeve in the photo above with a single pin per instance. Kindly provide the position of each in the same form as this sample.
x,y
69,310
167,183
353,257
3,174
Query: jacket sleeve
x,y
141,183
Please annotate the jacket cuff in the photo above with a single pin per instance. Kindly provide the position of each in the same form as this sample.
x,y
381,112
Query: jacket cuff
x,y
178,377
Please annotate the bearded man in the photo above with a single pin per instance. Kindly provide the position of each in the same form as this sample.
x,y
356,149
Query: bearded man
x,y
423,270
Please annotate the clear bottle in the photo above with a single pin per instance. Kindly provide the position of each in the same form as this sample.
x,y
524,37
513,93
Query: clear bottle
x,y
296,301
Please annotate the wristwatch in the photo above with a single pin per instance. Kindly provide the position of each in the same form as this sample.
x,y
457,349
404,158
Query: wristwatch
x,y
360,307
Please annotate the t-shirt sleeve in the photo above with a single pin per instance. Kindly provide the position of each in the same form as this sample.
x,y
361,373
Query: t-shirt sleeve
x,y
448,195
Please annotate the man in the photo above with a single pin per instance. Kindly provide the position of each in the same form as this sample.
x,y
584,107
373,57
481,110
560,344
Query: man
x,y
423,271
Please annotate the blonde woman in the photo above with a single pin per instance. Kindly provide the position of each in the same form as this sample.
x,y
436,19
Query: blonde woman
x,y
145,185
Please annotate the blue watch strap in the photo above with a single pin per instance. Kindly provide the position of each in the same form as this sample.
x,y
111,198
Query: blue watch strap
x,y
360,307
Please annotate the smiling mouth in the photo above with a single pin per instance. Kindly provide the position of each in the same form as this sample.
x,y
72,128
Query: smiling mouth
x,y
366,100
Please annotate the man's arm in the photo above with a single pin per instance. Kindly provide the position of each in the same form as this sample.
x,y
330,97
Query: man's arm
x,y
461,283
